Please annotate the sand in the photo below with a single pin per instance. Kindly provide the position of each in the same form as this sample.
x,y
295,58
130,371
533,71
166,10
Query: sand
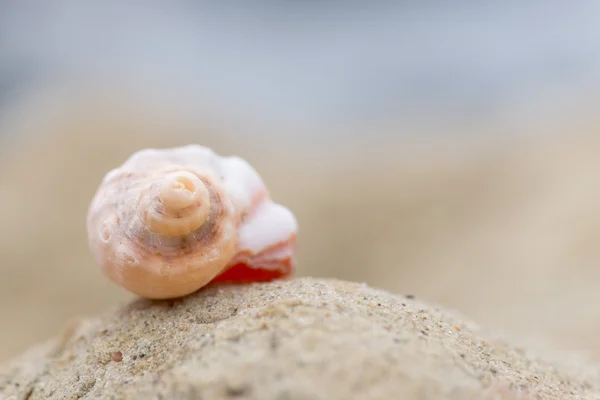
x,y
298,339
505,233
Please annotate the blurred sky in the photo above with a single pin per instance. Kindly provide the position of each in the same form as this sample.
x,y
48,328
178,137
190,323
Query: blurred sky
x,y
311,61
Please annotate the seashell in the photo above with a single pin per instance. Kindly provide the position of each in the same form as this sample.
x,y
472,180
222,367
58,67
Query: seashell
x,y
167,222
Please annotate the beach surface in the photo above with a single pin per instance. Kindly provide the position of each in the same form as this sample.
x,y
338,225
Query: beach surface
x,y
297,339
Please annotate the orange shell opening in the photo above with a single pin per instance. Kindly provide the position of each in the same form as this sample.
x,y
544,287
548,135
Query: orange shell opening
x,y
242,273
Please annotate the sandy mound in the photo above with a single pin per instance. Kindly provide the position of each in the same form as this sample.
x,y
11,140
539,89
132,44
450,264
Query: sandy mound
x,y
297,339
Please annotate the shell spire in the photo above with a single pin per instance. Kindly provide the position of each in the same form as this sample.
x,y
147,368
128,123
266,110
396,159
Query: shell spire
x,y
167,222
177,204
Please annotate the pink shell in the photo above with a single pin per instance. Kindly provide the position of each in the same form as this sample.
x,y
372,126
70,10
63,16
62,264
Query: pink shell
x,y
167,222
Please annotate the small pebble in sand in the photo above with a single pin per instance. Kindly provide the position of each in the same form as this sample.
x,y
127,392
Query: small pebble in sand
x,y
117,356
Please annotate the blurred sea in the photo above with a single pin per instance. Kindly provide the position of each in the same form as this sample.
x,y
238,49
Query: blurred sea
x,y
312,64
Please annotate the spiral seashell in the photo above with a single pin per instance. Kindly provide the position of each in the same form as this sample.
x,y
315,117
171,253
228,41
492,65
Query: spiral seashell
x,y
167,222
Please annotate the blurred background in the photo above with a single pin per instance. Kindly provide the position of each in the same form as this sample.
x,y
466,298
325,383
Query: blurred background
x,y
444,151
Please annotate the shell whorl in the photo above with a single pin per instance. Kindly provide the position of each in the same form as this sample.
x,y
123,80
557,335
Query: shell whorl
x,y
167,222
175,205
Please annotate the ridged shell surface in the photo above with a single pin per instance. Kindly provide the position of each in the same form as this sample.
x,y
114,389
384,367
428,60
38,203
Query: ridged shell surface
x,y
169,221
